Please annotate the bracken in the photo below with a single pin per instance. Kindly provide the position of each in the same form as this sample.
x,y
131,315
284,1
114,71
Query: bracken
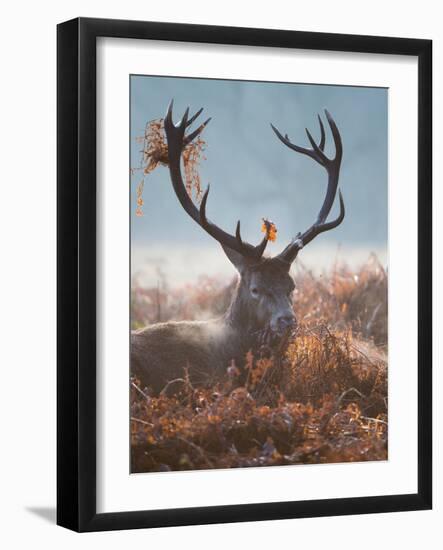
x,y
322,400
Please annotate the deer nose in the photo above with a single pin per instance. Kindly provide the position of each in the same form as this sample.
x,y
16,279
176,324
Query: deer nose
x,y
285,321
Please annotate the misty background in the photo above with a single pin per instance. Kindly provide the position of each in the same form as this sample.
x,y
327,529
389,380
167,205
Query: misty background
x,y
253,175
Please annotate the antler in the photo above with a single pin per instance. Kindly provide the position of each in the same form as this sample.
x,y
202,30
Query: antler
x,y
177,141
332,167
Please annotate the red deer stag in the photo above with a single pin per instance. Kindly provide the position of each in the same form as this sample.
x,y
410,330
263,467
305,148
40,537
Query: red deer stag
x,y
261,307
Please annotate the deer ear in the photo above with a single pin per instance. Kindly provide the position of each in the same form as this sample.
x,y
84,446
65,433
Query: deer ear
x,y
237,260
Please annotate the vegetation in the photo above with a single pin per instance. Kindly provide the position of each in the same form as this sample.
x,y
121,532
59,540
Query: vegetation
x,y
154,153
320,398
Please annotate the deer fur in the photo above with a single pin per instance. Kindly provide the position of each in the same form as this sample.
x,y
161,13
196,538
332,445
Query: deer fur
x,y
262,297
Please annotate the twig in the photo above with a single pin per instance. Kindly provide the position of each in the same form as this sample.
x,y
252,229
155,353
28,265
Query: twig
x,y
372,319
374,420
141,391
171,382
339,400
142,422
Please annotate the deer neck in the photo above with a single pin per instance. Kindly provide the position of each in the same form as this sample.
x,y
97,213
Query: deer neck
x,y
239,315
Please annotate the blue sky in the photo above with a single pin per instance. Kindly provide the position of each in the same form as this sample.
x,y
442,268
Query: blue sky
x,y
253,175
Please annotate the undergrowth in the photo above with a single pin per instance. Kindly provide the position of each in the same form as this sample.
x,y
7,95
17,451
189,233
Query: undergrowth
x,y
322,400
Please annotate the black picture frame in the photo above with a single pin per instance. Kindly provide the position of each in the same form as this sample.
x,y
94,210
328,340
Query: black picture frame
x,y
76,265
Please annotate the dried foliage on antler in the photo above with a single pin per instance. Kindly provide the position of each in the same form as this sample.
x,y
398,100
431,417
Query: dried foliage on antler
x,y
155,153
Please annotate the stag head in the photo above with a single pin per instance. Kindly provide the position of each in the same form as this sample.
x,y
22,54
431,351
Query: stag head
x,y
263,301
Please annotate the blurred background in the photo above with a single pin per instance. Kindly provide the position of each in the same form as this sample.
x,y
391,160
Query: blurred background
x,y
253,175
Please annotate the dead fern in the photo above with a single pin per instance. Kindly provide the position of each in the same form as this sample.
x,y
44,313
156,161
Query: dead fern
x,y
324,401
155,153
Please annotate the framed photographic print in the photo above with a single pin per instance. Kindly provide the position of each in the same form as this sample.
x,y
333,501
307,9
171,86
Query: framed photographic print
x,y
244,274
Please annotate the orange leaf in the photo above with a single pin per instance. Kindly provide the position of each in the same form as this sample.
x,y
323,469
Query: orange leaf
x,y
270,229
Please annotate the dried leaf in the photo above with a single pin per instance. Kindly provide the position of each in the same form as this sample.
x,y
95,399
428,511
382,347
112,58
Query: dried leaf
x,y
270,229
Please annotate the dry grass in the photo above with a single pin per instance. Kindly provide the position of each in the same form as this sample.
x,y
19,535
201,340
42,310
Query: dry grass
x,y
323,400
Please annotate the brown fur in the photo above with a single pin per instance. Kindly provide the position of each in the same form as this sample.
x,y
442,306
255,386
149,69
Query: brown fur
x,y
165,351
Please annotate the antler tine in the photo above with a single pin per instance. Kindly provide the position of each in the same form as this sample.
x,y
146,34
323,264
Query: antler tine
x,y
225,239
309,152
290,252
182,125
288,143
196,132
323,135
316,229
197,114
319,156
332,167
175,135
336,135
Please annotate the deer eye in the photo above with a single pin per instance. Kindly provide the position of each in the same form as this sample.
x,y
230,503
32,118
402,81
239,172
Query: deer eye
x,y
255,292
